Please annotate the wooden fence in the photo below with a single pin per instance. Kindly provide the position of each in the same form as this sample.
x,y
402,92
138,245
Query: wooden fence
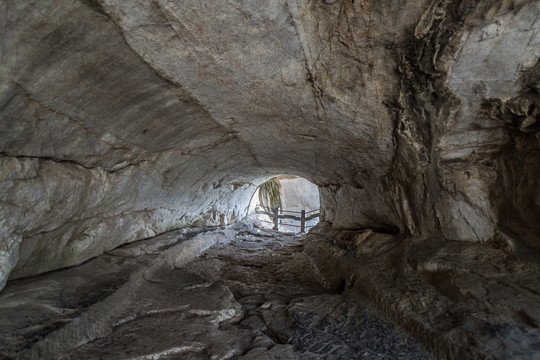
x,y
275,214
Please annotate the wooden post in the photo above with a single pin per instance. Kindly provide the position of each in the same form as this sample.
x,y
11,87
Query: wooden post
x,y
303,221
276,218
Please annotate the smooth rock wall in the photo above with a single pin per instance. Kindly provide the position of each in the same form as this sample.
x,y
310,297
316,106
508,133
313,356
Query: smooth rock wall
x,y
65,213
96,148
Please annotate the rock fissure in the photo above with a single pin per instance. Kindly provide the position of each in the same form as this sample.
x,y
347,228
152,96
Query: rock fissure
x,y
71,162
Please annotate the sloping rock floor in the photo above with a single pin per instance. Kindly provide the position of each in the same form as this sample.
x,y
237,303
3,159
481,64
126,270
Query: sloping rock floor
x,y
253,296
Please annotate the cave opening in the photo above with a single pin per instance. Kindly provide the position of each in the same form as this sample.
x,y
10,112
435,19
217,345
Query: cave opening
x,y
294,199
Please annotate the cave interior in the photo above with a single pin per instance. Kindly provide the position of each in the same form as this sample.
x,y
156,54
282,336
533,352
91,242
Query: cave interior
x,y
133,136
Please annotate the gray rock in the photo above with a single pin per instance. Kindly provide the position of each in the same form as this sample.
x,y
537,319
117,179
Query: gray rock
x,y
418,120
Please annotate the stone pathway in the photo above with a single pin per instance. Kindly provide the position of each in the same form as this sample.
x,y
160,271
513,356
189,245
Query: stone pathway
x,y
256,297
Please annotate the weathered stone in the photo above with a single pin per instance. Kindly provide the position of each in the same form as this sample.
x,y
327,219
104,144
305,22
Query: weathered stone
x,y
154,107
196,311
418,120
462,300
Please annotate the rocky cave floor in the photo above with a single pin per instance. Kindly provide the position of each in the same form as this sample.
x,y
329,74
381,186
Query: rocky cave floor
x,y
255,296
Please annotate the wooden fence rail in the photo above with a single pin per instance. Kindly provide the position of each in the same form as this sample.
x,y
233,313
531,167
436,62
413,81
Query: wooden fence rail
x,y
275,215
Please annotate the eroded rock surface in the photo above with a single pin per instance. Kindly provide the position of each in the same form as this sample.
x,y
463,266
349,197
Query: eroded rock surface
x,y
463,301
255,298
418,120
466,130
122,121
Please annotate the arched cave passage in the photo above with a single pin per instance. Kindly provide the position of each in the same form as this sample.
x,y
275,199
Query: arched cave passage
x,y
417,120
291,195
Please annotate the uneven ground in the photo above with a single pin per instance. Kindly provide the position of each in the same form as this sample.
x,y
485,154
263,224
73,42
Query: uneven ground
x,y
461,300
253,295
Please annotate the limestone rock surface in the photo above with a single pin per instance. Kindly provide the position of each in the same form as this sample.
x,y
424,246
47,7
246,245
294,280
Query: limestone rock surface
x,y
250,296
417,119
461,300
124,120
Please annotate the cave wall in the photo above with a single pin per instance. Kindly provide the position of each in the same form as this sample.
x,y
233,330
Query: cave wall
x,y
97,149
120,121
73,213
466,131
